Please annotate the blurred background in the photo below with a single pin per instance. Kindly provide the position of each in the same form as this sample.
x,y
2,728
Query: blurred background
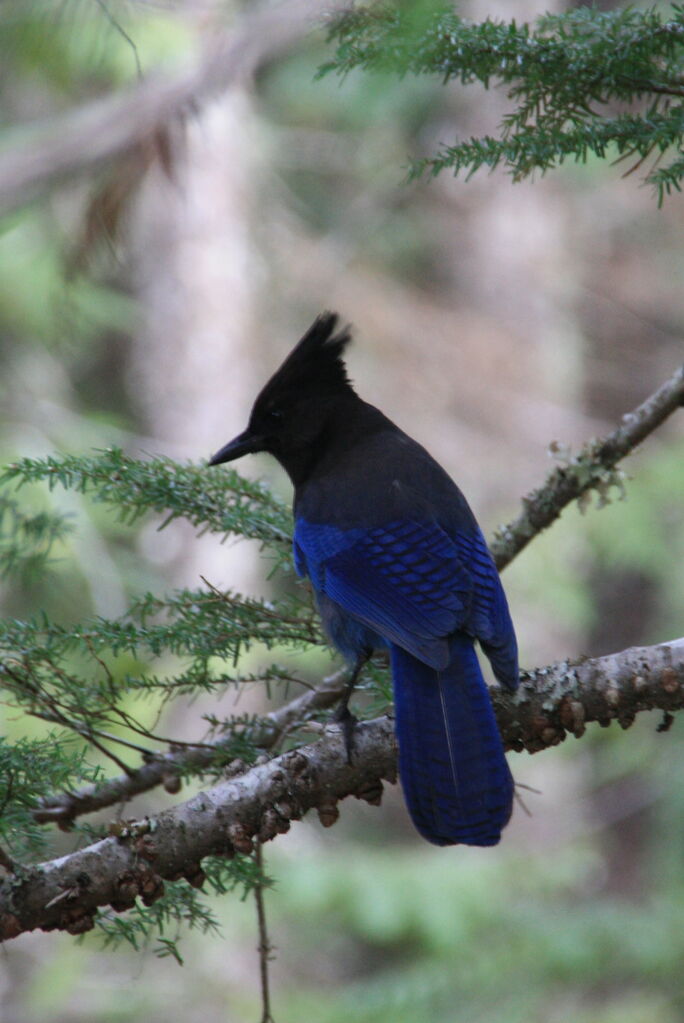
x,y
144,304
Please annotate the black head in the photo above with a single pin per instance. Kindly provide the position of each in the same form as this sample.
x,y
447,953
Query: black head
x,y
292,409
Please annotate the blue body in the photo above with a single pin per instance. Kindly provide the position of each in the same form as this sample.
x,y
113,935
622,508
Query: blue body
x,y
426,590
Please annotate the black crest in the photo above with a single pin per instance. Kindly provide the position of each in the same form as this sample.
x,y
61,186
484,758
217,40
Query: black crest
x,y
315,363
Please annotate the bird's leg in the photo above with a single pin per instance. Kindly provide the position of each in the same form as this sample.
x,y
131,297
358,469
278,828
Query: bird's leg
x,y
343,716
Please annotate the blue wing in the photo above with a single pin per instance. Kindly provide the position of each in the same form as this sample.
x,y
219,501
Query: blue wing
x,y
414,585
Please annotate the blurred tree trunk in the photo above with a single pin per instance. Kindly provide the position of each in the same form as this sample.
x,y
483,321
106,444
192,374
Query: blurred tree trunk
x,y
194,370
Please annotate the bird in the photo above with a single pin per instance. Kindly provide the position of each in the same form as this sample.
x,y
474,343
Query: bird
x,y
397,562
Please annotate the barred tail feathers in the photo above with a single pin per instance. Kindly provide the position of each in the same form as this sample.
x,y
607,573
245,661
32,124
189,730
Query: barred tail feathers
x,y
456,780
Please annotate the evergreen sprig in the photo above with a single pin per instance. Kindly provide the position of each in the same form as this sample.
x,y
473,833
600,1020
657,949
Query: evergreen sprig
x,y
71,676
27,539
31,768
574,79
219,501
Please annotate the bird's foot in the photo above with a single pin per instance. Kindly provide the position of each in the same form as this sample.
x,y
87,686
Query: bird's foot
x,y
347,722
343,716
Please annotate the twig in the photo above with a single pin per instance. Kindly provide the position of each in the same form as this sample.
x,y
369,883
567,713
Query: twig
x,y
118,27
592,467
265,947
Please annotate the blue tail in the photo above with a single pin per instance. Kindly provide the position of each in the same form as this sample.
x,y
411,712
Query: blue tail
x,y
457,784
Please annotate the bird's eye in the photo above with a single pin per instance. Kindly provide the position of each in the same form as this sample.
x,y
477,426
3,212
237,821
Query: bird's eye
x,y
274,415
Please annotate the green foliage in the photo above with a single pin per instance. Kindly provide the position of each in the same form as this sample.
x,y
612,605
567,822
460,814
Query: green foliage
x,y
574,79
77,676
220,502
31,768
26,539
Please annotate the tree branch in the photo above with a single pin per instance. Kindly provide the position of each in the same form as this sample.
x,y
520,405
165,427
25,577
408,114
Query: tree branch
x,y
565,697
593,467
82,140
65,893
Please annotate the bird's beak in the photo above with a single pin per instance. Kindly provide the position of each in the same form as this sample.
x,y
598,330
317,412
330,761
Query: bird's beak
x,y
244,444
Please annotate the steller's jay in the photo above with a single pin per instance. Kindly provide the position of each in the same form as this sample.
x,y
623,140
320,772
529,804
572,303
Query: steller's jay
x,y
396,560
